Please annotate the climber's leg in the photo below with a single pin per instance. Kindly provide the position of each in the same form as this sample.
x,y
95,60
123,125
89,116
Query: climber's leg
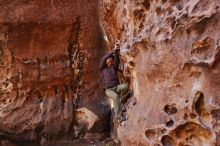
x,y
122,90
116,101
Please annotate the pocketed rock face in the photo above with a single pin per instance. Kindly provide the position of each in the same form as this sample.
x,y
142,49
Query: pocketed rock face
x,y
171,51
49,54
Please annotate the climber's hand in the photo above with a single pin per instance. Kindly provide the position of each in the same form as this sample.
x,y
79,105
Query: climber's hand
x,y
117,48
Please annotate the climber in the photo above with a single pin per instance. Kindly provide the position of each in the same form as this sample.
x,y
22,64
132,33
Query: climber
x,y
109,67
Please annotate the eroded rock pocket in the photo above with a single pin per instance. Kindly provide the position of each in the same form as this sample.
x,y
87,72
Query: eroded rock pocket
x,y
150,134
170,109
199,105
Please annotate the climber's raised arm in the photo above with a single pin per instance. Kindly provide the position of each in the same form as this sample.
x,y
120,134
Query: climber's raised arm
x,y
116,59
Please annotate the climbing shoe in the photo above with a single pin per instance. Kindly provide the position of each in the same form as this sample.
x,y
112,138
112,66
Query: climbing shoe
x,y
128,95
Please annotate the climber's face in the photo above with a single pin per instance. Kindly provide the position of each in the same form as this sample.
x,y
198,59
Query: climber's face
x,y
109,61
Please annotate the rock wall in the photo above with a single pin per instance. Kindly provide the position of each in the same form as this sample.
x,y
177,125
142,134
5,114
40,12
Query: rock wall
x,y
171,54
49,81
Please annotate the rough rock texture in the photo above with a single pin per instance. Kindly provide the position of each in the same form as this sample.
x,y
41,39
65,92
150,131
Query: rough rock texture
x,y
171,51
49,81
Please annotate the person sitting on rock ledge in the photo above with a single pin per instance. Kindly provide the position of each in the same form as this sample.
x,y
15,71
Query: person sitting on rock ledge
x,y
109,67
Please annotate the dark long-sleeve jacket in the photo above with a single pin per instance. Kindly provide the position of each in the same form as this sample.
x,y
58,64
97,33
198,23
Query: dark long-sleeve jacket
x,y
110,74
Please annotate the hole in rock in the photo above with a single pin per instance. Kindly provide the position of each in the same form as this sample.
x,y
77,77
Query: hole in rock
x,y
146,4
170,109
131,64
150,134
41,99
192,115
128,47
167,141
170,123
199,27
199,104
216,114
191,132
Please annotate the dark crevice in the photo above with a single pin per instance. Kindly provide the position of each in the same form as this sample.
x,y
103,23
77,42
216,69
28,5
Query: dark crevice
x,y
170,109
192,115
170,123
63,100
199,104
150,134
167,141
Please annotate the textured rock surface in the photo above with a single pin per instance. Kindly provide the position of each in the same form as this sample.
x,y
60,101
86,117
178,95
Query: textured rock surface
x,y
171,50
49,54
